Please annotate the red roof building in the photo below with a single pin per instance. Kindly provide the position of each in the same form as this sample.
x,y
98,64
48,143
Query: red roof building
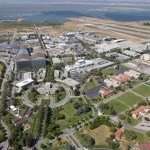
x,y
118,135
141,111
121,78
105,92
144,146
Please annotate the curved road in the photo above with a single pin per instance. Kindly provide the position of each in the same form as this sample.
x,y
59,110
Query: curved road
x,y
27,102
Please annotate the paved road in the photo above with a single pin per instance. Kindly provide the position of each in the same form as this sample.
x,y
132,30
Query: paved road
x,y
76,142
25,99
134,128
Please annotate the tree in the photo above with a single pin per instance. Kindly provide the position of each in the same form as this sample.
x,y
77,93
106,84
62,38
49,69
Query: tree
x,y
89,140
122,116
119,124
77,105
69,147
129,120
60,116
29,140
129,134
43,146
2,137
148,133
76,92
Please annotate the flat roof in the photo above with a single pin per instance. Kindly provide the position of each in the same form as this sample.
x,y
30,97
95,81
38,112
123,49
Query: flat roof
x,y
25,82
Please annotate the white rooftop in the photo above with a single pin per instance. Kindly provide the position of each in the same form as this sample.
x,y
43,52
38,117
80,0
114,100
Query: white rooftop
x,y
25,82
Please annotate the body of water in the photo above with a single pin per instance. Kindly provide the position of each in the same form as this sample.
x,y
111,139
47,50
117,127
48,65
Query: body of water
x,y
60,12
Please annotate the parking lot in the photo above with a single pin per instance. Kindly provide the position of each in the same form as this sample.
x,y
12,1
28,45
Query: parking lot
x,y
93,92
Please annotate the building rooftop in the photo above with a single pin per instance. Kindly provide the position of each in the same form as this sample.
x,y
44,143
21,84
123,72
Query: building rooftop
x,y
25,82
23,51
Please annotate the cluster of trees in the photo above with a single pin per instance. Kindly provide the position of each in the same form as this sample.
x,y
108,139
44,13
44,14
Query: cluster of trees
x,y
51,128
19,139
49,74
3,100
38,123
88,140
96,72
130,135
50,71
112,144
107,109
98,121
2,133
3,70
83,109
77,105
35,93
80,108
146,23
46,122
59,93
77,92
16,102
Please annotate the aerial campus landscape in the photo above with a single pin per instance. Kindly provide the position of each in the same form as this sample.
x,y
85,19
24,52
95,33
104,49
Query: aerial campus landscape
x,y
78,84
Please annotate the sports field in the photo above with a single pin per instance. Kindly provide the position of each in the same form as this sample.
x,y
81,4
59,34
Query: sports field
x,y
124,102
143,90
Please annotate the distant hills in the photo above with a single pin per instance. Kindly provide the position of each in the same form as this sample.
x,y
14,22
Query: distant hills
x,y
92,1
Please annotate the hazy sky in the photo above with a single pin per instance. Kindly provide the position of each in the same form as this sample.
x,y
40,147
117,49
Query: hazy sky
x,y
74,1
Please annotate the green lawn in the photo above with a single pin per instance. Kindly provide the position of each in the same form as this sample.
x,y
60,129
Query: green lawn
x,y
70,117
111,70
1,67
130,99
59,96
108,71
133,122
32,97
142,138
45,102
89,85
143,90
119,107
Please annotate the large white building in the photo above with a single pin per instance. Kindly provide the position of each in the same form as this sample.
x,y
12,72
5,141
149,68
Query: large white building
x,y
79,64
132,73
88,65
145,57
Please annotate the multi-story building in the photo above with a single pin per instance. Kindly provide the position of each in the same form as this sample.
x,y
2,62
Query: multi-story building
x,y
26,60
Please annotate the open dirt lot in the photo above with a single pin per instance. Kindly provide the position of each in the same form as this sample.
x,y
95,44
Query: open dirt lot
x,y
100,134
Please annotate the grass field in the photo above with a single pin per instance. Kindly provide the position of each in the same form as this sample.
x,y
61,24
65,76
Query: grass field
x,y
59,96
45,102
1,67
70,118
119,107
130,99
111,70
133,122
142,138
32,96
108,71
89,85
143,90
